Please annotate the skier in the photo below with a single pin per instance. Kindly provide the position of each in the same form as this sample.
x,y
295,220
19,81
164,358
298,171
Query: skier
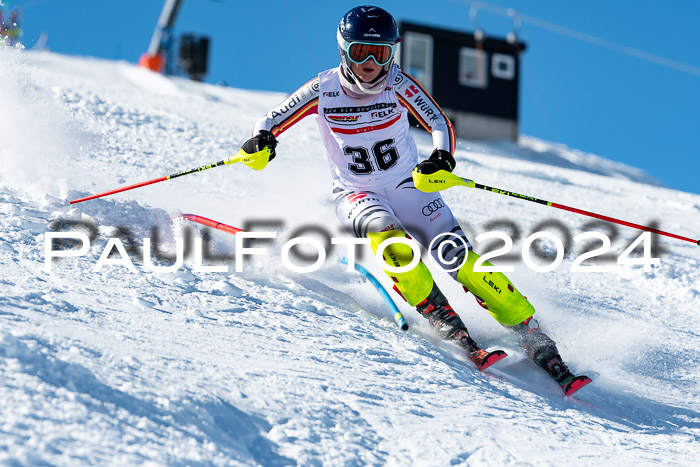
x,y
13,30
361,108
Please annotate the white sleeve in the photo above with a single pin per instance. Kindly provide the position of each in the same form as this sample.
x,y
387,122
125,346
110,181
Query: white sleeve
x,y
422,106
301,103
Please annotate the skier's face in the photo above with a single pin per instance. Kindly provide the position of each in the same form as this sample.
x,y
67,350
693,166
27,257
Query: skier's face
x,y
366,71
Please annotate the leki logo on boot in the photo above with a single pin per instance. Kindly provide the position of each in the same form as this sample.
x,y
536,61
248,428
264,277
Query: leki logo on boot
x,y
492,285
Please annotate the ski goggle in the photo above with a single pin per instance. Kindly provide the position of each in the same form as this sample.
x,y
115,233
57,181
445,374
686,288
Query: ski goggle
x,y
360,52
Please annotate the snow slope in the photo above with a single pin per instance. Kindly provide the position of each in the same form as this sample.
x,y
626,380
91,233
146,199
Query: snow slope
x,y
269,367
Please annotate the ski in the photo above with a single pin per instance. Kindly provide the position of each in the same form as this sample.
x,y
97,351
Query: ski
x,y
484,359
481,358
573,383
569,382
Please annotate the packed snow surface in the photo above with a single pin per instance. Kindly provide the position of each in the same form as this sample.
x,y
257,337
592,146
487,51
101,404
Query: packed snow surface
x,y
271,367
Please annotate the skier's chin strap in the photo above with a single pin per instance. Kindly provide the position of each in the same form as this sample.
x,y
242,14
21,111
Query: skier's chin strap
x,y
375,88
358,90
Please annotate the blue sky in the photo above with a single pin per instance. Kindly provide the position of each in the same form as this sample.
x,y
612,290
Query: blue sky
x,y
590,97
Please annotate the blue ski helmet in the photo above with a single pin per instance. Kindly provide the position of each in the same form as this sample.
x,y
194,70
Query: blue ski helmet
x,y
367,32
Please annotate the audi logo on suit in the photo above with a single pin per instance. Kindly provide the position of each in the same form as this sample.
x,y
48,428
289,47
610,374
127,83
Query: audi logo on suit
x,y
433,207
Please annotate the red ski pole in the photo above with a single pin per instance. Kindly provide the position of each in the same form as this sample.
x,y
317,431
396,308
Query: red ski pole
x,y
442,179
211,223
256,161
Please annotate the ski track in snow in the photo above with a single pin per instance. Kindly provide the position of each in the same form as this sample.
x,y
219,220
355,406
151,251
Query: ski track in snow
x,y
266,367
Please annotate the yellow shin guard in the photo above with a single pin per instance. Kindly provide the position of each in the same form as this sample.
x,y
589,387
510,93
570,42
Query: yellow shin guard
x,y
416,284
495,293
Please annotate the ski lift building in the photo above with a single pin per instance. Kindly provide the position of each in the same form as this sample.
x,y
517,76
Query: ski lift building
x,y
474,78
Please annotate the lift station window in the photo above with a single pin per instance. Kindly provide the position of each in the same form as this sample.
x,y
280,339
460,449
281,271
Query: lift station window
x,y
418,58
503,66
473,68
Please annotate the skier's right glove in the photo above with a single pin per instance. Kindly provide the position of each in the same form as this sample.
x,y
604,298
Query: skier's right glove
x,y
438,160
259,142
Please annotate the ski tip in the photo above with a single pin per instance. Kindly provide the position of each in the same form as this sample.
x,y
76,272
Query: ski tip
x,y
404,327
575,384
493,357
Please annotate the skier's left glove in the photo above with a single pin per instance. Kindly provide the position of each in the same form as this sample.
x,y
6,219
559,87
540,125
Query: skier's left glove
x,y
259,142
438,160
